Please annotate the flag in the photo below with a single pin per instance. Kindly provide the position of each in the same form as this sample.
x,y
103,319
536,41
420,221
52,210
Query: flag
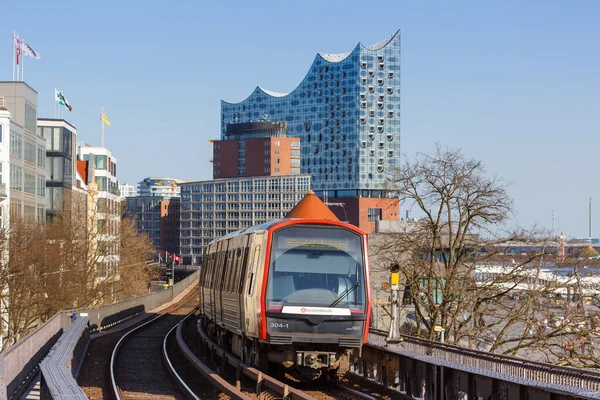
x,y
29,51
107,122
176,258
18,43
60,98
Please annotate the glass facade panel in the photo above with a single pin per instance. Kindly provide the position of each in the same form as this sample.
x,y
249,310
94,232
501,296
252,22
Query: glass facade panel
x,y
57,169
57,139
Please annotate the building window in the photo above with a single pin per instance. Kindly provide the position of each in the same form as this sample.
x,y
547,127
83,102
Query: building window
x,y
30,153
16,182
100,162
30,182
30,118
374,214
41,157
16,144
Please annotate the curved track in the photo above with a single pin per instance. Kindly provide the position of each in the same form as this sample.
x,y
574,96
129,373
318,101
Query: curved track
x,y
137,369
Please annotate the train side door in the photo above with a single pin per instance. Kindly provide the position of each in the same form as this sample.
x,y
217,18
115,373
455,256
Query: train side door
x,y
252,286
242,277
208,279
221,282
214,287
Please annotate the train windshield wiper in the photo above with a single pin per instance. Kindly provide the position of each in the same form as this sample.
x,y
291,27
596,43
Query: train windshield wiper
x,y
346,292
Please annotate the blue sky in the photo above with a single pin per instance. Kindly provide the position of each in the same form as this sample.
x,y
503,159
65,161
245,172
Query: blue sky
x,y
514,84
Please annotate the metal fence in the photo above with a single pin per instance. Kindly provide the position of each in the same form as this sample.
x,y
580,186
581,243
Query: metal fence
x,y
531,373
19,363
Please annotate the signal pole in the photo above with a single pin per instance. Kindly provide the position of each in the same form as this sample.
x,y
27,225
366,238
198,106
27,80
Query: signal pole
x,y
170,269
394,284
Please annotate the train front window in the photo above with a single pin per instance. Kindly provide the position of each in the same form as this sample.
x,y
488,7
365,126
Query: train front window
x,y
316,266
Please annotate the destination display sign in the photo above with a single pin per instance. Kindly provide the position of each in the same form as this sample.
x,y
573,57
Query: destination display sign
x,y
313,243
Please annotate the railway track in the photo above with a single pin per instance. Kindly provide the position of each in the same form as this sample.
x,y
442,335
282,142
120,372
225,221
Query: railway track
x,y
239,380
137,370
158,360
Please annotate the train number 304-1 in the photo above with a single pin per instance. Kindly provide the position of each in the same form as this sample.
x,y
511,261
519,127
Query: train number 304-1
x,y
279,325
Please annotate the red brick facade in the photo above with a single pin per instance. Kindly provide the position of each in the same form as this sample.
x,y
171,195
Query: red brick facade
x,y
260,157
356,211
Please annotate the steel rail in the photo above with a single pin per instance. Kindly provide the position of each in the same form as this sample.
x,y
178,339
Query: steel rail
x,y
205,370
356,393
113,356
262,380
180,382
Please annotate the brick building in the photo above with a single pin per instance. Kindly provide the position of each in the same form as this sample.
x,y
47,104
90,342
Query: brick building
x,y
256,149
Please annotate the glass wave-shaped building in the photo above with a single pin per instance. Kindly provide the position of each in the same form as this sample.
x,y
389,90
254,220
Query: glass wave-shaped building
x,y
346,112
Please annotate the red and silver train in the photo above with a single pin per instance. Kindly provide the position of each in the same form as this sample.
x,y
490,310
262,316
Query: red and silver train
x,y
290,292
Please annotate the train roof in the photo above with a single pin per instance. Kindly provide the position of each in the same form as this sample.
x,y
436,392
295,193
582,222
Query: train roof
x,y
271,224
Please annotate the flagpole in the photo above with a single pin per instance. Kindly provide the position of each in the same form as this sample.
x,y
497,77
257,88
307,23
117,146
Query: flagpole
x,y
12,54
54,113
102,127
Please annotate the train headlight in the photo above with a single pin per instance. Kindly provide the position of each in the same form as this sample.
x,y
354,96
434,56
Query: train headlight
x,y
331,360
299,358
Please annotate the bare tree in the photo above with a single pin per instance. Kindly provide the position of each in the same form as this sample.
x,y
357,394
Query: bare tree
x,y
80,258
463,270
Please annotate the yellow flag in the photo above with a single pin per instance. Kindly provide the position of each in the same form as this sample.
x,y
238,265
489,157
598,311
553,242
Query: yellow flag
x,y
106,121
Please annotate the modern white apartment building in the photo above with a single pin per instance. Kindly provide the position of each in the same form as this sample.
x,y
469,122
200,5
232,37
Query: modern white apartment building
x,y
162,187
27,160
212,209
104,166
5,124
126,190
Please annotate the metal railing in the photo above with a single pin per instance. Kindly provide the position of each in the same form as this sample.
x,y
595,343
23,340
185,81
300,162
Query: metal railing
x,y
60,368
19,363
104,317
530,373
